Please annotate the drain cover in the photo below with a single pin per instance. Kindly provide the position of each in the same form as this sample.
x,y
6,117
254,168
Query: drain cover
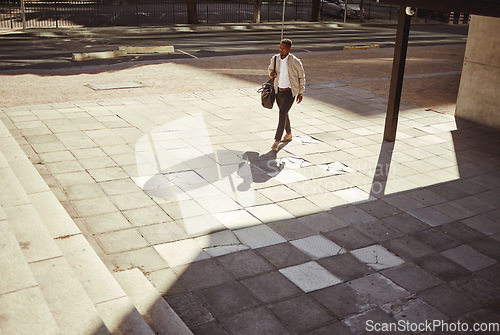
x,y
115,86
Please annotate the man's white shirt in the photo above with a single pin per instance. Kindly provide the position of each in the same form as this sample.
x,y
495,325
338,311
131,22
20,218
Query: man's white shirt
x,y
283,78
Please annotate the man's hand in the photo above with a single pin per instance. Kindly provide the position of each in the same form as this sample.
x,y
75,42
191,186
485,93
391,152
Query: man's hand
x,y
299,98
273,74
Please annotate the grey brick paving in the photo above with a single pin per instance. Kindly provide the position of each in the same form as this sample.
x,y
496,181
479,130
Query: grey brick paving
x,y
183,187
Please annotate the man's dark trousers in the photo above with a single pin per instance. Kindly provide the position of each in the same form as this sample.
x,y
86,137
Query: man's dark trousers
x,y
284,99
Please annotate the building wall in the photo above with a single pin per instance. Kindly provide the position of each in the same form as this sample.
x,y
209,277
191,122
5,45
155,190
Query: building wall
x,y
479,93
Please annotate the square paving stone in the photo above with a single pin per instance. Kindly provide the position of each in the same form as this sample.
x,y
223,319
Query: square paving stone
x,y
449,300
271,287
478,288
435,239
317,247
322,222
244,264
377,257
341,300
468,257
487,246
413,311
483,224
491,273
431,216
310,276
441,267
258,236
349,238
283,255
407,247
301,313
460,232
411,277
377,289
123,240
204,273
254,322
364,323
167,282
406,223
352,214
378,230
346,267
292,229
379,209
190,309
227,298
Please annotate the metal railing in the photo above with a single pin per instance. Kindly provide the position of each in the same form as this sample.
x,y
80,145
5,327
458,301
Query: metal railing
x,y
64,13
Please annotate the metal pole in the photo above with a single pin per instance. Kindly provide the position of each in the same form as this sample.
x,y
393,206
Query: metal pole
x,y
345,12
398,70
23,14
57,17
10,15
283,19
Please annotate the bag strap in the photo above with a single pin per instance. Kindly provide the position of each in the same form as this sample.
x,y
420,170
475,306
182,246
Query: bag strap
x,y
275,63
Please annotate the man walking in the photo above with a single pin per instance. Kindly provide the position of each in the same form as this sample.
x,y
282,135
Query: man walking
x,y
290,82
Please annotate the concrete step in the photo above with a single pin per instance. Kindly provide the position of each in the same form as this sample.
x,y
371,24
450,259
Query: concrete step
x,y
153,308
65,288
24,309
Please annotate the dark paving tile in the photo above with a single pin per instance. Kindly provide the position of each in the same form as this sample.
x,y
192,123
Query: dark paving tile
x,y
378,230
406,223
271,287
227,299
413,310
478,288
435,239
448,191
411,277
352,214
441,267
493,215
475,205
301,313
487,246
292,229
322,222
244,264
426,197
349,238
335,328
211,328
204,273
491,273
407,247
341,300
494,307
379,209
364,323
345,266
377,289
283,255
460,232
468,185
449,300
190,309
484,316
254,322
482,224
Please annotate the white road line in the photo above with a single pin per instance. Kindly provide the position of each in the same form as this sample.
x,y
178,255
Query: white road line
x,y
184,52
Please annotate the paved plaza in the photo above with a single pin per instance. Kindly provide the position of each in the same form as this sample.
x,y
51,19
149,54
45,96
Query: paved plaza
x,y
169,214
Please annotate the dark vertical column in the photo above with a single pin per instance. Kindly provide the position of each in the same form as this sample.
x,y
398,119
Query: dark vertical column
x,y
398,70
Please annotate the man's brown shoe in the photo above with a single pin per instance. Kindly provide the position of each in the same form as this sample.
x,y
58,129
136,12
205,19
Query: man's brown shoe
x,y
275,146
287,138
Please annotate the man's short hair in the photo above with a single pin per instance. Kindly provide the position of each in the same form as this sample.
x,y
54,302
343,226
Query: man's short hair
x,y
287,41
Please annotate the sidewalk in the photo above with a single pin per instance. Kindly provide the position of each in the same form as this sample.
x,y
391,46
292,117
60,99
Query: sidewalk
x,y
336,229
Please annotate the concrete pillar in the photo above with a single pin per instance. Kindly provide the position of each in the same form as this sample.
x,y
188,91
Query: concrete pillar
x,y
479,93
